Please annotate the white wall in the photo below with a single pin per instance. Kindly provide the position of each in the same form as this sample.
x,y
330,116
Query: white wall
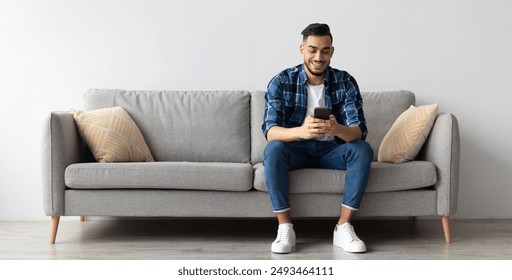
x,y
453,52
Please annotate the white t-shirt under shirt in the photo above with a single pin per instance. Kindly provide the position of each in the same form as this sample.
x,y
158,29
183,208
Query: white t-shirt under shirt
x,y
316,98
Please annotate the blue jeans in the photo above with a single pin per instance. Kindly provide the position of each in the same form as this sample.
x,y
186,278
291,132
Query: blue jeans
x,y
281,157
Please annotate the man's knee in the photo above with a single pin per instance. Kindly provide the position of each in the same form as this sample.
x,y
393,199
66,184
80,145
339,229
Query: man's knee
x,y
275,148
363,149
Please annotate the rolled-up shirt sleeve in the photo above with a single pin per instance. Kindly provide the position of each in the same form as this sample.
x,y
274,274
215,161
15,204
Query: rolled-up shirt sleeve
x,y
352,109
274,106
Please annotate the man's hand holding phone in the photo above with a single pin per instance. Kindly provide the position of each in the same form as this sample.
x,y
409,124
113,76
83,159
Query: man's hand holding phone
x,y
321,124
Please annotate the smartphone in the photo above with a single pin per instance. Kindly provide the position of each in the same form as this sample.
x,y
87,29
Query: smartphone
x,y
322,113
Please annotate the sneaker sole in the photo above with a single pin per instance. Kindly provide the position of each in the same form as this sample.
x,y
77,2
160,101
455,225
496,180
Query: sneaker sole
x,y
350,251
282,251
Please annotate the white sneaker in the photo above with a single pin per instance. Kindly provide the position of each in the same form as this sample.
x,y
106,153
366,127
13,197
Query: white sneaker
x,y
285,240
346,238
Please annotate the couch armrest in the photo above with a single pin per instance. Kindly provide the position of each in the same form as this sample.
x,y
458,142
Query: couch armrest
x,y
62,146
442,148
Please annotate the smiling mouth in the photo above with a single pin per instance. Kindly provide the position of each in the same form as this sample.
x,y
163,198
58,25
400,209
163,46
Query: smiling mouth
x,y
317,63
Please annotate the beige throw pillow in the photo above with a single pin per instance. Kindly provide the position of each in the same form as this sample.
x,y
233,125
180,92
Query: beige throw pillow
x,y
112,135
404,140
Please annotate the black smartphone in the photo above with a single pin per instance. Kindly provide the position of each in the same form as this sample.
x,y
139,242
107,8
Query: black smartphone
x,y
322,113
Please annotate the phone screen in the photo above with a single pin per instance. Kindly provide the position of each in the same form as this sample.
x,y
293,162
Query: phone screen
x,y
322,113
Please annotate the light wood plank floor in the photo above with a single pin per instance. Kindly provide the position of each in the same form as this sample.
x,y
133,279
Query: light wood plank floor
x,y
163,239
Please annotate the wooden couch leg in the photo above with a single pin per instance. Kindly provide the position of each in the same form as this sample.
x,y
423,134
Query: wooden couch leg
x,y
53,228
82,218
445,220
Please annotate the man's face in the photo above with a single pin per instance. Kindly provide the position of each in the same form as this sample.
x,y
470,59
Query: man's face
x,y
317,52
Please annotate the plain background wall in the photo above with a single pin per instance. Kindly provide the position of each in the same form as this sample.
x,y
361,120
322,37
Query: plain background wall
x,y
453,52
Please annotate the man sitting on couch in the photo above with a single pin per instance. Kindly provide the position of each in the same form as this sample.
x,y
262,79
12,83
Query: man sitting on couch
x,y
299,140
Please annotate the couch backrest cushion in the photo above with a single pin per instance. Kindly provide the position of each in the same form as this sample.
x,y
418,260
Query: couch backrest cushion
x,y
381,109
258,141
197,126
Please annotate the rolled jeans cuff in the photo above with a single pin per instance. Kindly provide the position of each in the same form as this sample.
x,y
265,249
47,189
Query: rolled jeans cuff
x,y
282,210
349,207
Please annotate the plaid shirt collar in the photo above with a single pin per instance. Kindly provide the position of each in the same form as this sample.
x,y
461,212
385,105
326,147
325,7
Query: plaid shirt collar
x,y
303,77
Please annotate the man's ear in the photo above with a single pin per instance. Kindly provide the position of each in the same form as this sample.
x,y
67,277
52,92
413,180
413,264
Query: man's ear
x,y
301,48
332,50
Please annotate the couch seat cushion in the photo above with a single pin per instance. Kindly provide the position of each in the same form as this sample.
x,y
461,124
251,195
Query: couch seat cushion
x,y
383,177
160,175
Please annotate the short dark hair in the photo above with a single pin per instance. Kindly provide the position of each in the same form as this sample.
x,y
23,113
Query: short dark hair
x,y
317,29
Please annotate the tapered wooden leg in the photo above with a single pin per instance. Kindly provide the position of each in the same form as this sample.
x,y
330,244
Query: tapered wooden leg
x,y
53,228
82,218
445,220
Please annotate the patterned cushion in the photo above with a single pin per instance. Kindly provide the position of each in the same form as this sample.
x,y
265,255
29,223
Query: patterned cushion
x,y
112,135
407,134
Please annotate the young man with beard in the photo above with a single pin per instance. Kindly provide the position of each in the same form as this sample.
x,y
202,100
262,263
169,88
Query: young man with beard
x,y
298,140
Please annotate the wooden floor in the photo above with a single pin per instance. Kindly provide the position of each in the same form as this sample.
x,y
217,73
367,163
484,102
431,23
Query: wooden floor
x,y
163,239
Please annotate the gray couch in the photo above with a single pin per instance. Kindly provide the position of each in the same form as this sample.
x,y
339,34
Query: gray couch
x,y
208,149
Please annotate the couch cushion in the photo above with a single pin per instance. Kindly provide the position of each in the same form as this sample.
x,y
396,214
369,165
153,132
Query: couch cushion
x,y
381,109
112,135
184,125
160,175
383,177
408,134
258,141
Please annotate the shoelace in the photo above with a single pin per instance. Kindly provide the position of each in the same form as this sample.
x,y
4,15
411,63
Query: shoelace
x,y
282,235
351,232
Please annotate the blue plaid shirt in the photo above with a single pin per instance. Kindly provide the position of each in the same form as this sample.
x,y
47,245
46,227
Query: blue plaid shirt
x,y
286,99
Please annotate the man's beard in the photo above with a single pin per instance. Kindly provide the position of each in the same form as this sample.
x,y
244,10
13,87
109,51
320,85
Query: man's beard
x,y
318,74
